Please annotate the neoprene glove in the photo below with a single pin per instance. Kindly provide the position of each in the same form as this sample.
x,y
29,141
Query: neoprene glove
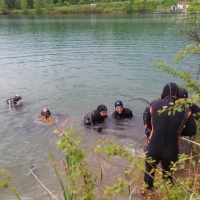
x,y
147,131
99,129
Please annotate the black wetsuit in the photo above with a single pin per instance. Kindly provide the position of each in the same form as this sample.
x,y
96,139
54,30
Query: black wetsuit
x,y
147,121
195,110
126,113
163,141
93,118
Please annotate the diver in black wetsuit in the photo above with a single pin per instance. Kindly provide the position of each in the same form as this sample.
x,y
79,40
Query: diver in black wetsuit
x,y
96,117
183,94
15,101
165,130
46,117
46,113
121,112
147,122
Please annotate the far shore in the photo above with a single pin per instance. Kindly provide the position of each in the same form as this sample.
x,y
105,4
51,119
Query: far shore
x,y
125,7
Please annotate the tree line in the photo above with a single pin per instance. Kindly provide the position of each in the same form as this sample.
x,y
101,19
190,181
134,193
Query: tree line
x,y
25,5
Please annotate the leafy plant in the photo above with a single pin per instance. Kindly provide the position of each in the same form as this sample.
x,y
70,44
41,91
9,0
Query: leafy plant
x,y
131,181
79,178
3,6
5,179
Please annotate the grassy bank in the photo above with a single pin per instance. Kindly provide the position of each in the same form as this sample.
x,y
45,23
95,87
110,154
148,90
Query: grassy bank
x,y
113,7
116,7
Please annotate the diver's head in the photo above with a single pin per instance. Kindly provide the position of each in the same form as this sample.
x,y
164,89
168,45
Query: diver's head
x,y
170,89
102,110
17,99
45,112
119,107
183,93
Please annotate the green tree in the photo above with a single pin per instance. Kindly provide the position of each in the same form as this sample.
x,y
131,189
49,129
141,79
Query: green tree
x,y
18,4
10,4
3,6
194,6
24,6
60,3
132,2
37,5
168,3
50,5
189,26
44,3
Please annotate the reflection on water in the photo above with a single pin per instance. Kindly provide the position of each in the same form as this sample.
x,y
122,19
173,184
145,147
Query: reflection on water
x,y
71,64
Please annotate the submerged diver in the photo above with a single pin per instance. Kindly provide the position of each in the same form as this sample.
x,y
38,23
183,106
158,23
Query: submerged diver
x,y
121,112
165,130
46,113
183,94
46,117
16,100
96,117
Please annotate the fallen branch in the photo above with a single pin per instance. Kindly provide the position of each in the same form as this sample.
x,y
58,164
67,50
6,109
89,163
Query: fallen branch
x,y
183,138
32,172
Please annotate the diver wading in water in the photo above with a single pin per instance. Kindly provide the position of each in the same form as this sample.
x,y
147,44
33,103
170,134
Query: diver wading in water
x,y
164,132
121,112
96,117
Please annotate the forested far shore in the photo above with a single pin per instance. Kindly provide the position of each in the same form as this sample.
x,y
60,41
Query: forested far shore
x,y
90,6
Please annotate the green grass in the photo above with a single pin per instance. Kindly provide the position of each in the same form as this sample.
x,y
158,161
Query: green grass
x,y
114,7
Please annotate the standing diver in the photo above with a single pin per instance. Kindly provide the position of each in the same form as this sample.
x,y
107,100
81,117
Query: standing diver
x,y
165,130
96,117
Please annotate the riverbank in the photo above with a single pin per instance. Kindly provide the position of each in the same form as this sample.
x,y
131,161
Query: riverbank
x,y
113,7
87,7
101,8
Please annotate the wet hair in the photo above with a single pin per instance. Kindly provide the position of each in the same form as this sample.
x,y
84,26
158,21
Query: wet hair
x,y
16,98
118,103
45,112
182,93
170,89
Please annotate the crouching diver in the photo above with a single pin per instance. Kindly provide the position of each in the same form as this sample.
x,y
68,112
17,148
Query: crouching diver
x,y
96,117
163,141
183,94
121,112
46,117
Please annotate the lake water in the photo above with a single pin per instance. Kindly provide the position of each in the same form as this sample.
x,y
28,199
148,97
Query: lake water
x,y
70,64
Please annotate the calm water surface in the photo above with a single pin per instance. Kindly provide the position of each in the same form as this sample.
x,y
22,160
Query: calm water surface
x,y
70,64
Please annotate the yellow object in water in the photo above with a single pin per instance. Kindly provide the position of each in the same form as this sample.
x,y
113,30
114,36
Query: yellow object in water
x,y
48,121
9,104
